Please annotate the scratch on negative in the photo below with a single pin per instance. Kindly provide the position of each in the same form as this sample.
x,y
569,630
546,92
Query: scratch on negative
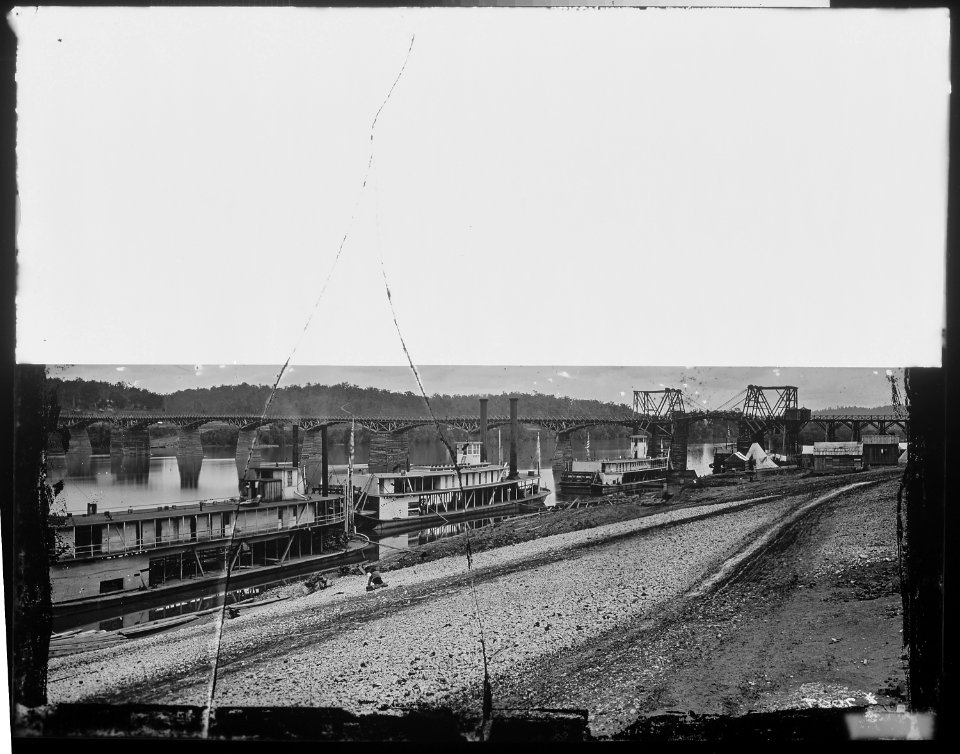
x,y
356,204
219,629
487,687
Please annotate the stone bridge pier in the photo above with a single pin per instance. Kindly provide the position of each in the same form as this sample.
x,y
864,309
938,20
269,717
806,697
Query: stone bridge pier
x,y
678,446
562,455
245,441
130,441
189,456
389,451
659,438
77,451
130,454
313,457
791,438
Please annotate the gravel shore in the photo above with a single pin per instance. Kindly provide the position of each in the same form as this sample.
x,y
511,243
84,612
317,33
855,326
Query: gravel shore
x,y
418,641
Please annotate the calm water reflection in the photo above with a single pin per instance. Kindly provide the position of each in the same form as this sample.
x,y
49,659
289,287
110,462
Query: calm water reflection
x,y
118,483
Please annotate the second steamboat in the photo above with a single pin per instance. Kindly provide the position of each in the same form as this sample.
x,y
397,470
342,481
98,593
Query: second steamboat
x,y
608,475
433,495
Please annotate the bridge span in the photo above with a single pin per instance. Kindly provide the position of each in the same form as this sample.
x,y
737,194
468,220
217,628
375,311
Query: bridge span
x,y
666,415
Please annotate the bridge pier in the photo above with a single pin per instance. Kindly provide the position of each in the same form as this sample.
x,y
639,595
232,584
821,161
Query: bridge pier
x,y
78,451
791,440
856,427
678,446
244,442
189,457
562,455
831,432
747,436
130,454
389,452
313,457
130,441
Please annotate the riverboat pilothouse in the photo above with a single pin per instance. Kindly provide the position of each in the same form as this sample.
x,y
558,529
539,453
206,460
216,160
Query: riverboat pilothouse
x,y
607,475
436,494
115,556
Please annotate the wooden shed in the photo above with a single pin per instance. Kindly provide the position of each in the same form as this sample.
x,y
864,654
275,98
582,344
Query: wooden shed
x,y
881,450
837,456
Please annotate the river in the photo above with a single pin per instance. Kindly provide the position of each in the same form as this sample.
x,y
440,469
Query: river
x,y
158,481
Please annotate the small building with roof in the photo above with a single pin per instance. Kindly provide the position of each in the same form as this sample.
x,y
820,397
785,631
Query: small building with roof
x,y
881,450
830,457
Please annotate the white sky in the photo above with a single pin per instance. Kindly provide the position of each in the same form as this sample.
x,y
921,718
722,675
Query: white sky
x,y
549,186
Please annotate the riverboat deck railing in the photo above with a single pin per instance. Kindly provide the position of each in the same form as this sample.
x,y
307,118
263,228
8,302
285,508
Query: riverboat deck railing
x,y
111,547
452,499
635,464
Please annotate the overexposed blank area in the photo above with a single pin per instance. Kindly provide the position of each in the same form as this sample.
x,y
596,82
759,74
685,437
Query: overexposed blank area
x,y
541,186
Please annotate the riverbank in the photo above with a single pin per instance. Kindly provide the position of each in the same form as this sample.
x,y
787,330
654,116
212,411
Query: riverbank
x,y
590,513
599,617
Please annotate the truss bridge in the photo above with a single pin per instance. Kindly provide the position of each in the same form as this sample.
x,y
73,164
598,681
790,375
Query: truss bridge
x,y
666,415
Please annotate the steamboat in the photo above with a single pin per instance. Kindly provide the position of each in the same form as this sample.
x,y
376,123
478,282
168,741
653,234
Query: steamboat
x,y
608,475
146,555
432,495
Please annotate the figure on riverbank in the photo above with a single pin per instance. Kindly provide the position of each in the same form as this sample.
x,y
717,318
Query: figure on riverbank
x,y
375,580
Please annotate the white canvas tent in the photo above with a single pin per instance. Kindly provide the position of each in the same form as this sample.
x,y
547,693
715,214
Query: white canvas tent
x,y
759,455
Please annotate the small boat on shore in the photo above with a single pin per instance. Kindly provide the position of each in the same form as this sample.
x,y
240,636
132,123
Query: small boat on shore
x,y
607,475
432,495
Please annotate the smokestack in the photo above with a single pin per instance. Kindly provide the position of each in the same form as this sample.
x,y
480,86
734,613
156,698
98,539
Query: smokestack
x,y
513,438
483,430
324,469
296,447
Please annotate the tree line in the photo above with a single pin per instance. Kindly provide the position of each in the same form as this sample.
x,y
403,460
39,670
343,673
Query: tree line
x,y
345,398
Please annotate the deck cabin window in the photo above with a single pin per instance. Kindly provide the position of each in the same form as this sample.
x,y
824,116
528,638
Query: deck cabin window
x,y
159,530
88,540
111,585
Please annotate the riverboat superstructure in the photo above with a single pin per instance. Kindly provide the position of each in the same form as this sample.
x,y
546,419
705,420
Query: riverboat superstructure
x,y
151,550
607,475
431,495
